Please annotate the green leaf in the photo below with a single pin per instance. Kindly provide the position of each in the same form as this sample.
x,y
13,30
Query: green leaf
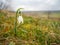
x,y
11,43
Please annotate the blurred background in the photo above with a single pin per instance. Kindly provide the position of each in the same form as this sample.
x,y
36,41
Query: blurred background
x,y
41,22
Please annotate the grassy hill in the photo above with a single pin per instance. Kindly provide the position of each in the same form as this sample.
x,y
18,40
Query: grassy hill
x,y
34,30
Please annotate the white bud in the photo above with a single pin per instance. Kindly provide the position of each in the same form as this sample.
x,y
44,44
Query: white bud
x,y
20,19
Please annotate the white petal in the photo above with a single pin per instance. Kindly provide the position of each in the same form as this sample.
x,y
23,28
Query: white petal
x,y
20,19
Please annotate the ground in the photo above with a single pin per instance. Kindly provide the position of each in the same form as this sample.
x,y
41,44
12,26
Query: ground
x,y
34,30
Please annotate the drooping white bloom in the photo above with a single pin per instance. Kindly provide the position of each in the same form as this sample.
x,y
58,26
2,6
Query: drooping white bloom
x,y
20,19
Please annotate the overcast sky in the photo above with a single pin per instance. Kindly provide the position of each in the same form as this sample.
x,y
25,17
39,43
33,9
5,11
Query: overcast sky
x,y
36,5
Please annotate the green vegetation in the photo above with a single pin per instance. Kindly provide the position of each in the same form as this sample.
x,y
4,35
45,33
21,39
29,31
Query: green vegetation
x,y
34,31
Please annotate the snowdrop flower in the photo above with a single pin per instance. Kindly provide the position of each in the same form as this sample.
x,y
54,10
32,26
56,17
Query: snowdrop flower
x,y
20,19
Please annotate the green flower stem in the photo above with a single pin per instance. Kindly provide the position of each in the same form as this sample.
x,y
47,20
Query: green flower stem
x,y
15,28
15,24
